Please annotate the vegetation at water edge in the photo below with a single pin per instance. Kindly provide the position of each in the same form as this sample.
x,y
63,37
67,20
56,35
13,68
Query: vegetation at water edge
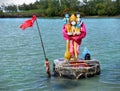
x,y
57,8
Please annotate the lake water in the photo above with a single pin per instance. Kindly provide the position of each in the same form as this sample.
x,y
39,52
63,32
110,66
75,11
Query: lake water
x,y
22,61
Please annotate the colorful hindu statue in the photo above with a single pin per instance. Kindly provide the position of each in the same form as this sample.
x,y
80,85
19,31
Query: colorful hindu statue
x,y
73,32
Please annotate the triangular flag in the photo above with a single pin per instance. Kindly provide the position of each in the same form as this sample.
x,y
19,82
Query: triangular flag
x,y
28,23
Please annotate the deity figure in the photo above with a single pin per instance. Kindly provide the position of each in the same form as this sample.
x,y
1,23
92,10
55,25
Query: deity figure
x,y
73,32
66,19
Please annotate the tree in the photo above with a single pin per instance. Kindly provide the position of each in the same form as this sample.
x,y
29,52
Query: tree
x,y
100,9
118,7
11,8
60,7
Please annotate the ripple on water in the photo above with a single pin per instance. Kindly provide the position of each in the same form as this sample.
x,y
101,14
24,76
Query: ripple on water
x,y
22,61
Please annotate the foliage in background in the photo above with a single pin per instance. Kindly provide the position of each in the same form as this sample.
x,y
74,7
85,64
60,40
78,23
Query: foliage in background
x,y
50,8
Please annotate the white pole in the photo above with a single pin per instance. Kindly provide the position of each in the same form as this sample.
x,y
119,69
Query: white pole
x,y
60,3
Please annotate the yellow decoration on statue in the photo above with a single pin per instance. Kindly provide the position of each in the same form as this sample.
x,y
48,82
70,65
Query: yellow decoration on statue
x,y
72,18
68,28
77,30
67,54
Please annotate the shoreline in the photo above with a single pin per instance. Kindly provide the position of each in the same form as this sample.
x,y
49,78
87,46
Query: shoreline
x,y
117,16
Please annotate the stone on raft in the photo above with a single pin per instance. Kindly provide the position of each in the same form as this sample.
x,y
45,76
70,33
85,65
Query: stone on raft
x,y
76,69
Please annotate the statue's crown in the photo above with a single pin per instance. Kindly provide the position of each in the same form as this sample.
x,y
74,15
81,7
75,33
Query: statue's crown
x,y
72,18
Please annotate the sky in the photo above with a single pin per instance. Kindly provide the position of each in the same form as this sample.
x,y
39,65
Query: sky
x,y
17,2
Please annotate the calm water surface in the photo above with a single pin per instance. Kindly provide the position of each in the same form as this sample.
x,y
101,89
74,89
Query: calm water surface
x,y
22,61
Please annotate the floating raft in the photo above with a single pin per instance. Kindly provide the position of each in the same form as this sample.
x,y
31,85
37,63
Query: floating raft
x,y
76,69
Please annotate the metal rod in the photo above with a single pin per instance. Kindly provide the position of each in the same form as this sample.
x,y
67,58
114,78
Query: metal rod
x,y
46,60
41,40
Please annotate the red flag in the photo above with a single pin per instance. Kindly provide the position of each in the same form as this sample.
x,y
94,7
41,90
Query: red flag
x,y
28,23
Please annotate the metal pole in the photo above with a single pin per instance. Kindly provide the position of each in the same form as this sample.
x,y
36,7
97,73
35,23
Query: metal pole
x,y
46,60
41,40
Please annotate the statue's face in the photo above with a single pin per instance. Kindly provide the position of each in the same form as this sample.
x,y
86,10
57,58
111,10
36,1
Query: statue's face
x,y
67,15
73,23
78,15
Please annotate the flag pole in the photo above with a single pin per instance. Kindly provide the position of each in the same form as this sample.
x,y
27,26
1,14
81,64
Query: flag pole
x,y
46,60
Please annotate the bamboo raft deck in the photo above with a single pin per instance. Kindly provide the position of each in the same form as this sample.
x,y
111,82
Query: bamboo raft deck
x,y
76,69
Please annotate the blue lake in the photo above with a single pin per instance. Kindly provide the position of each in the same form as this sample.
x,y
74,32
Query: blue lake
x,y
22,61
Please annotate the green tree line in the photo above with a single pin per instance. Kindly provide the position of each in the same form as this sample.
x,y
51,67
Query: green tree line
x,y
50,8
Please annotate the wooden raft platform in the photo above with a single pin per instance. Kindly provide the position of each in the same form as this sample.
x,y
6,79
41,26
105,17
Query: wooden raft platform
x,y
76,69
